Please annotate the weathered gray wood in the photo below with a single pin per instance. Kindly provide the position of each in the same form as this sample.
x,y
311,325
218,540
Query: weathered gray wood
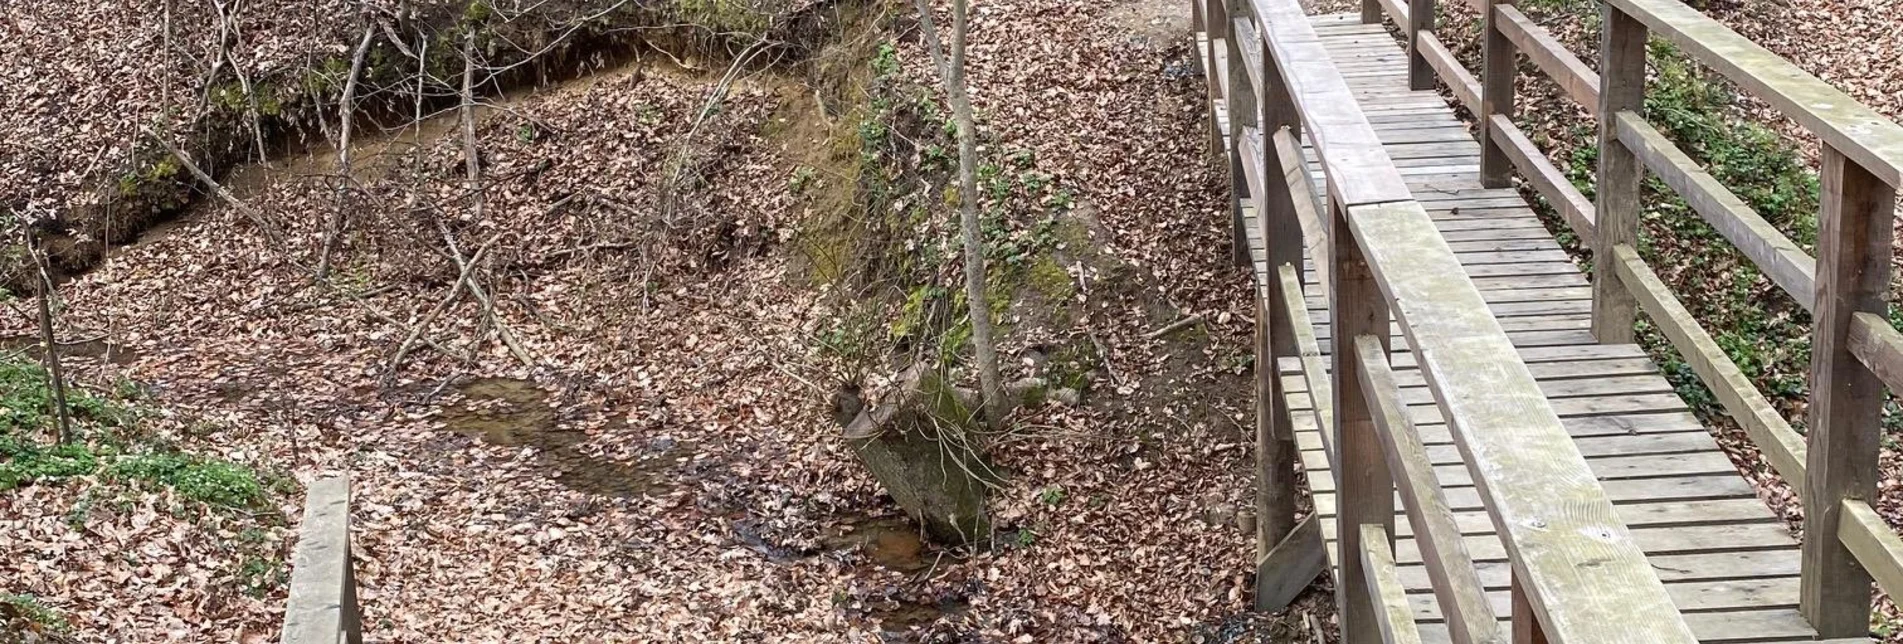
x,y
1286,570
1874,544
1781,445
1787,265
1856,131
1498,73
1392,613
1250,44
1284,197
1622,69
1879,347
1551,56
1244,114
1367,488
1414,475
1846,408
1546,504
1466,90
1358,167
1307,203
1397,11
1546,178
1314,366
1203,15
1420,23
322,608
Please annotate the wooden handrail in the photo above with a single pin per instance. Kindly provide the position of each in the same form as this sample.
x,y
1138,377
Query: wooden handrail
x,y
1546,178
1585,578
1858,132
1470,617
1314,372
1868,537
1787,265
1855,350
323,605
1879,347
1546,52
1782,446
1465,88
1356,166
1394,617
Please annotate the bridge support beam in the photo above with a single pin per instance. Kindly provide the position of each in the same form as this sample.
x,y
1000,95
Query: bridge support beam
x,y
1498,71
1846,409
1622,79
1366,487
1244,114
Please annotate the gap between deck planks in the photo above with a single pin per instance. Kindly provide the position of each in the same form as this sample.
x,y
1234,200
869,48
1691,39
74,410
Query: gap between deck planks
x,y
1728,562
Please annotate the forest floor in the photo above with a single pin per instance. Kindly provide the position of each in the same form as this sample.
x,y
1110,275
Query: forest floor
x,y
632,442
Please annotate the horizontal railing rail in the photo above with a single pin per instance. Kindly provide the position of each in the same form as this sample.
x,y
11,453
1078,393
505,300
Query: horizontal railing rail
x,y
323,605
1580,576
1855,350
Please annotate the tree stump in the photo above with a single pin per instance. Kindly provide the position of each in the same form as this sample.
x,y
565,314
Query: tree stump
x,y
920,447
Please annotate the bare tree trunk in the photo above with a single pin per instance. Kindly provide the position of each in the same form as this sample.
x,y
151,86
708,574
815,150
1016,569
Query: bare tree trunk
x,y
334,228
49,350
472,166
978,301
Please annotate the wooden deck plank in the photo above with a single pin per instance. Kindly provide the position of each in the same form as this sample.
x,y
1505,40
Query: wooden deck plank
x,y
1728,563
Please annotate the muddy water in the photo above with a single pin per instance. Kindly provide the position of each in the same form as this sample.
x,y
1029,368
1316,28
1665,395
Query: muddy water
x,y
516,413
892,543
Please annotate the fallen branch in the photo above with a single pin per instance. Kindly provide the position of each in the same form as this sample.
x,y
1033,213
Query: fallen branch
x,y
1173,326
472,166
441,305
256,216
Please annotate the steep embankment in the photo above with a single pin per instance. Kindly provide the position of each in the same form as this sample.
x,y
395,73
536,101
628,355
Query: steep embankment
x,y
617,428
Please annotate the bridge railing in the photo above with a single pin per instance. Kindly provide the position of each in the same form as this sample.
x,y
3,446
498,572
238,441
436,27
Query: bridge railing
x,y
323,603
1855,351
1577,575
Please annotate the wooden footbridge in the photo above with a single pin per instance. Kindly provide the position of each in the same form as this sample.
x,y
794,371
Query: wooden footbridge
x,y
1491,456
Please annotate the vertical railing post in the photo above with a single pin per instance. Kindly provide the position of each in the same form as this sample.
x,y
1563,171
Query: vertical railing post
x,y
1498,71
1420,21
1846,406
1209,14
1199,25
1281,233
1622,80
1243,113
1526,625
1366,489
1370,12
353,613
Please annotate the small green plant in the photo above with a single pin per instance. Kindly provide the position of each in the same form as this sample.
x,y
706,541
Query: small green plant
x,y
258,576
36,612
802,177
526,133
886,62
1025,538
212,482
1052,495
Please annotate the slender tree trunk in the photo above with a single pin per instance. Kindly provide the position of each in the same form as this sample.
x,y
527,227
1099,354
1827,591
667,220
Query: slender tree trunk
x,y
49,350
346,106
979,302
